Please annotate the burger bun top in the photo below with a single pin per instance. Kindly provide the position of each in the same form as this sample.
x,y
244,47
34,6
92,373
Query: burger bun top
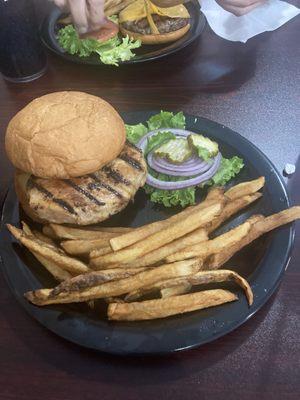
x,y
64,135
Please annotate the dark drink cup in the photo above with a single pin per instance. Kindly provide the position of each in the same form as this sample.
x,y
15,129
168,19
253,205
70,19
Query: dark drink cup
x,y
22,58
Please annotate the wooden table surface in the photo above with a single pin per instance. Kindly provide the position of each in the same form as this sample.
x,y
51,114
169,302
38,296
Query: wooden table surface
x,y
253,89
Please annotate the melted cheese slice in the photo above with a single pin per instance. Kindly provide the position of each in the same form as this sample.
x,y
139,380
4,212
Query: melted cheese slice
x,y
137,10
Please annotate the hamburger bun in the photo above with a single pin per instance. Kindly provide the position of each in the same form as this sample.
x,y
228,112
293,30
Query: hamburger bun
x,y
155,38
64,135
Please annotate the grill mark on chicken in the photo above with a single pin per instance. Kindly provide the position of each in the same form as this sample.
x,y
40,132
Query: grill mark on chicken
x,y
62,203
115,175
131,161
99,184
112,186
84,192
133,146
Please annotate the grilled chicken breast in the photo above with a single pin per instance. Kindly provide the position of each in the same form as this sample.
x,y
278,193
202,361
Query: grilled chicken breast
x,y
91,198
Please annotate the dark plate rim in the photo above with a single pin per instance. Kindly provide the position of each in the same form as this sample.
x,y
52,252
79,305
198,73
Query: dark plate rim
x,y
290,234
46,37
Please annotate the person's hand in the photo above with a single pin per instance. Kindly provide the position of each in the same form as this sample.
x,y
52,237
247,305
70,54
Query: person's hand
x,y
87,15
239,7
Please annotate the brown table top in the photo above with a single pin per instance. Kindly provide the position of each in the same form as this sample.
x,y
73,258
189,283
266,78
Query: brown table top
x,y
253,89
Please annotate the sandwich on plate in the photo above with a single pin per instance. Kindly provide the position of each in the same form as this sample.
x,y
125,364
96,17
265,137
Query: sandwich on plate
x,y
73,163
145,21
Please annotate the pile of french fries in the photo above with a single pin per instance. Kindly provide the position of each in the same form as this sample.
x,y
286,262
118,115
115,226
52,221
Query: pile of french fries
x,y
156,270
112,7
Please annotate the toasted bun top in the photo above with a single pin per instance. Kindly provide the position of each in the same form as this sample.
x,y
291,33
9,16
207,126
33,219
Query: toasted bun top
x,y
64,134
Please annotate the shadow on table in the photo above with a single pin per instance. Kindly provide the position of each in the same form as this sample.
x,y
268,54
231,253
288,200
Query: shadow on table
x,y
210,64
89,365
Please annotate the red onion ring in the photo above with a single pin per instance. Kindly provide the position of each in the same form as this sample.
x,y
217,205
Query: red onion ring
x,y
177,170
191,162
188,166
157,183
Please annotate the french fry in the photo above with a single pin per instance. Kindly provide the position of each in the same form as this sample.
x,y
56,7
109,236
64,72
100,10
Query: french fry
x,y
116,8
48,231
67,232
182,288
115,229
197,236
111,3
57,256
100,252
37,234
212,246
216,193
96,278
248,188
128,260
245,188
192,221
175,290
127,239
161,308
109,300
58,273
200,278
259,228
276,220
83,247
26,229
115,288
217,260
232,208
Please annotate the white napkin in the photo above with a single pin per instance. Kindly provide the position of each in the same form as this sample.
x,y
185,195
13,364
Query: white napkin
x,y
267,17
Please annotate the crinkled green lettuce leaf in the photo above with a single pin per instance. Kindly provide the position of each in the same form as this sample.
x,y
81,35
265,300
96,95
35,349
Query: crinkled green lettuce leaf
x,y
135,133
158,139
228,169
121,52
70,41
170,198
166,119
110,52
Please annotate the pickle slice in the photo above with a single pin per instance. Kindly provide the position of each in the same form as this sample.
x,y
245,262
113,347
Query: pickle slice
x,y
204,147
175,151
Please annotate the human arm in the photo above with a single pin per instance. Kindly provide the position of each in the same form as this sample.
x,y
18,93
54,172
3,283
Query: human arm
x,y
87,15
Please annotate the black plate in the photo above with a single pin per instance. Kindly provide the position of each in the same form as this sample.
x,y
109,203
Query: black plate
x,y
144,53
262,263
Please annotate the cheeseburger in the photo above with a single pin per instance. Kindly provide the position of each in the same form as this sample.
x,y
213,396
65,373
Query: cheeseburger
x,y
152,24
73,164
